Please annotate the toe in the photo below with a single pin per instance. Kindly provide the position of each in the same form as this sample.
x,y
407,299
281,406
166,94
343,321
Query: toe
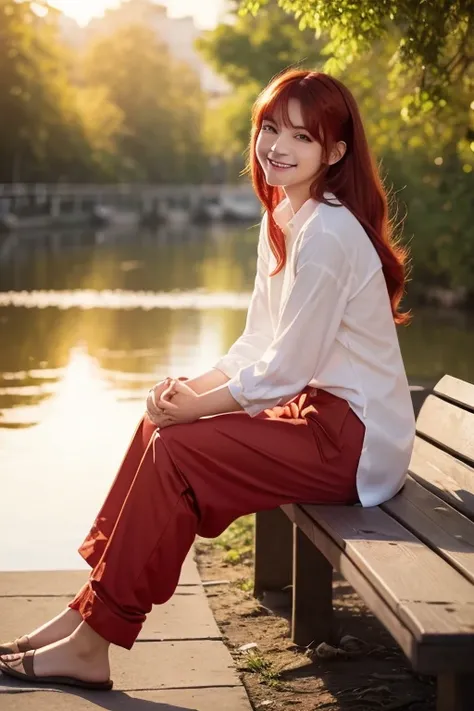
x,y
11,657
13,661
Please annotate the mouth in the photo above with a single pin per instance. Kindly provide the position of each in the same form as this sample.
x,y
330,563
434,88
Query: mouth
x,y
280,166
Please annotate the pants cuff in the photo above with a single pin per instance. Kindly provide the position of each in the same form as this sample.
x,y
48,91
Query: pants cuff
x,y
112,627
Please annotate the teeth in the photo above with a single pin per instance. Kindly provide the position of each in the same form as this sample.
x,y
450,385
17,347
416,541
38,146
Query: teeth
x,y
280,165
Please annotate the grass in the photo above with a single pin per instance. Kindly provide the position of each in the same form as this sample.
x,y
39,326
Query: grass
x,y
256,663
237,541
244,584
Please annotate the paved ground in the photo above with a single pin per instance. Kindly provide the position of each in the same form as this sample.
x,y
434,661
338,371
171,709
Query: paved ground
x,y
179,662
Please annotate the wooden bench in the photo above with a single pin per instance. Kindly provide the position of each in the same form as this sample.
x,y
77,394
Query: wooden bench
x,y
411,559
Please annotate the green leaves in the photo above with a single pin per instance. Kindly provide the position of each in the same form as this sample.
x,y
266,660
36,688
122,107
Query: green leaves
x,y
126,111
419,116
436,39
254,50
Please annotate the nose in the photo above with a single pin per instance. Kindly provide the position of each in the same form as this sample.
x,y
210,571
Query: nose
x,y
279,145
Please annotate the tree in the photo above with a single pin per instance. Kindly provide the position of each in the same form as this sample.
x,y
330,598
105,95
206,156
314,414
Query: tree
x,y
436,39
40,130
160,101
103,126
252,51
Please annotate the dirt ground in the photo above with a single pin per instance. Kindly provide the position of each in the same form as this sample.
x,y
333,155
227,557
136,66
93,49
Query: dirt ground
x,y
279,675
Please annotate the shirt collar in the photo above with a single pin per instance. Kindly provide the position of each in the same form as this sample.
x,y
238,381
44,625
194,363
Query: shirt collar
x,y
292,223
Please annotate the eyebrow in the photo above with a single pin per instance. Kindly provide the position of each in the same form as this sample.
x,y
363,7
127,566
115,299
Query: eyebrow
x,y
266,118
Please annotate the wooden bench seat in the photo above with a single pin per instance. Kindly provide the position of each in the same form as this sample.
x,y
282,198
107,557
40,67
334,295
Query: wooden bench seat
x,y
411,559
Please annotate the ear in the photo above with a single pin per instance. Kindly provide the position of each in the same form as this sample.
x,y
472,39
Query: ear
x,y
337,152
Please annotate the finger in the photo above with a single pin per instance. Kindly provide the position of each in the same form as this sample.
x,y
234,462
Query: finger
x,y
155,420
159,388
166,405
151,406
181,386
168,393
271,414
294,410
159,418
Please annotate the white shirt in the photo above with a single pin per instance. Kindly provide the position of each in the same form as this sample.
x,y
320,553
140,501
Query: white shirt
x,y
325,320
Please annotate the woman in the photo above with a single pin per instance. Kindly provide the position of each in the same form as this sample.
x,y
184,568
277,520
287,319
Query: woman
x,y
311,404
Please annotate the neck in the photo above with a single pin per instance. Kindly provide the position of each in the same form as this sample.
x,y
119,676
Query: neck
x,y
297,196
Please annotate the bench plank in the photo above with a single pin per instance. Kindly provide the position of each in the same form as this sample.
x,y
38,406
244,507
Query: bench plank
x,y
402,569
448,426
444,475
425,658
457,391
432,619
442,528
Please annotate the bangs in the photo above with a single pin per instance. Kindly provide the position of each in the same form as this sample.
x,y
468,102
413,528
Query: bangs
x,y
273,104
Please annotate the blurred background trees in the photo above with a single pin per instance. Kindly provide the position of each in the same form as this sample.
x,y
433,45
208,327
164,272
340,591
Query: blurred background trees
x,y
159,100
121,106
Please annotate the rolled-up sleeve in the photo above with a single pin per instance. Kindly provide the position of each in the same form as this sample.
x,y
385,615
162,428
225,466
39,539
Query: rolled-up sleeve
x,y
258,332
308,324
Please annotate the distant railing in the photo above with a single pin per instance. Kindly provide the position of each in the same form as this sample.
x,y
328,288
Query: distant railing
x,y
13,190
34,205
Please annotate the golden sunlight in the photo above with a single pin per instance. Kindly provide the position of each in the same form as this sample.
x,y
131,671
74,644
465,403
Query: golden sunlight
x,y
205,12
84,10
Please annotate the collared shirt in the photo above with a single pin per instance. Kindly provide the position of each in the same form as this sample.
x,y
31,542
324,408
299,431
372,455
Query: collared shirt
x,y
325,320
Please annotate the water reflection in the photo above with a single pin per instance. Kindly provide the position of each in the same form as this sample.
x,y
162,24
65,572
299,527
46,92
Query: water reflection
x,y
147,304
140,308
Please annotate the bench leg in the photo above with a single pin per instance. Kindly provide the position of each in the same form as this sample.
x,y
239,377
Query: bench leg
x,y
273,551
312,619
455,692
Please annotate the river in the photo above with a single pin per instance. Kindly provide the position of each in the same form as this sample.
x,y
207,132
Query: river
x,y
89,320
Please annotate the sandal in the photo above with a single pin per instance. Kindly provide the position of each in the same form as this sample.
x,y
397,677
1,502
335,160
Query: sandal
x,y
25,661
22,644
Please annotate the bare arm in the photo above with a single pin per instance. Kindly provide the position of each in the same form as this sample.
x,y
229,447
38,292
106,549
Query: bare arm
x,y
207,381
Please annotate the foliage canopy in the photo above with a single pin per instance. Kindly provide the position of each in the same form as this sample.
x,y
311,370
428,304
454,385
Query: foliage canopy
x,y
435,38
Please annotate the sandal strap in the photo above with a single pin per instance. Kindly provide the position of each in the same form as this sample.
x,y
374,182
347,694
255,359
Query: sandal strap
x,y
28,658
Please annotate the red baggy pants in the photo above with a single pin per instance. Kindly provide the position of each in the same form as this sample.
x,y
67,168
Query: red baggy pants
x,y
197,478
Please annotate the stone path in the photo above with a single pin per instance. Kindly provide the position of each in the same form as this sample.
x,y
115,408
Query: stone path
x,y
179,662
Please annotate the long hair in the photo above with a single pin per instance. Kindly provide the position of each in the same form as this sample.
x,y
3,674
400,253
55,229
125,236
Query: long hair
x,y
330,115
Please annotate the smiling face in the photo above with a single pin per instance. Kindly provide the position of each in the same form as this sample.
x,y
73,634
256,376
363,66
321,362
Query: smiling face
x,y
288,154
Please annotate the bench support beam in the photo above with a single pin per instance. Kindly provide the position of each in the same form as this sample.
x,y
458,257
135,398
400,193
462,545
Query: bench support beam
x,y
455,692
273,551
312,618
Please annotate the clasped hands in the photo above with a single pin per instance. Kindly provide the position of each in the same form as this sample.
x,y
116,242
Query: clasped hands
x,y
172,402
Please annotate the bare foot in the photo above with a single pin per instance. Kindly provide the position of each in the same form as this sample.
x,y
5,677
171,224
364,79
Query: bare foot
x,y
56,629
83,655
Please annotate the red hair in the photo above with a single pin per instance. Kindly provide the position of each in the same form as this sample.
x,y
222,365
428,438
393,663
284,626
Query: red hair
x,y
330,115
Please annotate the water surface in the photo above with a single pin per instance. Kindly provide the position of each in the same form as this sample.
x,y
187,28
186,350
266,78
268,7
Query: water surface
x,y
88,322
